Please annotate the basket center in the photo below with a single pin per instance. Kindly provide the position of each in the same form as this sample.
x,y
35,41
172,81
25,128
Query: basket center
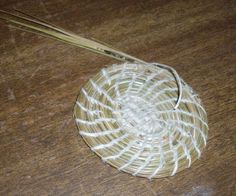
x,y
139,117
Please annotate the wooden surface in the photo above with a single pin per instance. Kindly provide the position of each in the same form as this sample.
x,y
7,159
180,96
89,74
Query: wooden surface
x,y
41,152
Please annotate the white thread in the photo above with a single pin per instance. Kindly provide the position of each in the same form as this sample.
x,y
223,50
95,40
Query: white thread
x,y
175,155
183,101
106,76
186,152
95,121
147,161
102,133
178,81
94,101
113,142
149,78
192,126
161,164
155,85
178,111
135,156
119,79
195,146
163,91
132,159
91,112
100,90
131,83
121,152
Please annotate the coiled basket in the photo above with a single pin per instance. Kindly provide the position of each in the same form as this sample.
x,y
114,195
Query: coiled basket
x,y
125,113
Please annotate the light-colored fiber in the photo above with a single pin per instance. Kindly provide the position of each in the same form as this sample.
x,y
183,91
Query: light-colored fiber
x,y
126,114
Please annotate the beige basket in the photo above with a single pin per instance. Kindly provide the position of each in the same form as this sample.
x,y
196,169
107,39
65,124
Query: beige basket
x,y
126,114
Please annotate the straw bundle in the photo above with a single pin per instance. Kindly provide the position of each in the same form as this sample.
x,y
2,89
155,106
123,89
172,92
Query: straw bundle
x,y
139,117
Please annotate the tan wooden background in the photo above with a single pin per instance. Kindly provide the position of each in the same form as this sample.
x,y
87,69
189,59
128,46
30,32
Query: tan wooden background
x,y
41,152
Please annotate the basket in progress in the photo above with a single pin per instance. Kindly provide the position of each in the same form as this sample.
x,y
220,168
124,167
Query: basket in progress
x,y
136,116
125,113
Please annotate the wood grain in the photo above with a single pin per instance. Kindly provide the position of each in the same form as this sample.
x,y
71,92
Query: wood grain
x,y
41,152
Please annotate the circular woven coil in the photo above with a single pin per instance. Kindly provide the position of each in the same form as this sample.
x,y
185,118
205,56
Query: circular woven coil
x,y
126,114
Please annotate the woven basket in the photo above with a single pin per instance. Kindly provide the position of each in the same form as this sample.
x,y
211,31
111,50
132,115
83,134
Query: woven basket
x,y
125,113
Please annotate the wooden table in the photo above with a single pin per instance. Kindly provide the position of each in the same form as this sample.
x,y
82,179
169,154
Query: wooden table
x,y
41,152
